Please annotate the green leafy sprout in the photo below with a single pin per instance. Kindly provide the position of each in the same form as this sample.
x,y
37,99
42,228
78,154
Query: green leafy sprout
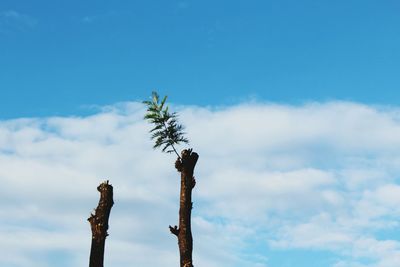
x,y
167,132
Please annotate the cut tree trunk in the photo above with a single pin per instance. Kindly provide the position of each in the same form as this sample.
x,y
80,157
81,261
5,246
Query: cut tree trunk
x,y
99,224
185,165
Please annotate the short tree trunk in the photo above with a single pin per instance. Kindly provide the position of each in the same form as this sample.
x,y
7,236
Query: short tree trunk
x,y
185,165
99,224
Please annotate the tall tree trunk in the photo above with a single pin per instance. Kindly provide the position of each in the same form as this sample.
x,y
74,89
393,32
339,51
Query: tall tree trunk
x,y
99,224
185,165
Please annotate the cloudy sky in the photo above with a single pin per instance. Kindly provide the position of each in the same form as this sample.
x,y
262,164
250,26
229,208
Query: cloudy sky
x,y
293,107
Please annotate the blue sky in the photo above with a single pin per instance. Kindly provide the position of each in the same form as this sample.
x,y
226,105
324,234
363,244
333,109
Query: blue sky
x,y
300,96
58,57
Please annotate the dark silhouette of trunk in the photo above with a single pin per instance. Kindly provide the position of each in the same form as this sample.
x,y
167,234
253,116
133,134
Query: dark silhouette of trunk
x,y
99,224
185,165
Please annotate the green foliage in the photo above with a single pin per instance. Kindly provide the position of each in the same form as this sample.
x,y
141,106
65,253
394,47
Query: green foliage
x,y
166,132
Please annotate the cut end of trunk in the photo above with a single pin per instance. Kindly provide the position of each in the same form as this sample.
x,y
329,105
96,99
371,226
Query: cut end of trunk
x,y
187,160
99,220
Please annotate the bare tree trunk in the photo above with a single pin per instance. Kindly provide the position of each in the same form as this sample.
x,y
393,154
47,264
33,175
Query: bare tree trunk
x,y
99,224
185,165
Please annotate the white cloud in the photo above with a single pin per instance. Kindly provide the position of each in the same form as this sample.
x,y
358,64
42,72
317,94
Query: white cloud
x,y
320,176
12,20
99,17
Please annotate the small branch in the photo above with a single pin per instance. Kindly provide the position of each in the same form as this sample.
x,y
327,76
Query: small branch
x,y
193,182
175,151
166,129
174,230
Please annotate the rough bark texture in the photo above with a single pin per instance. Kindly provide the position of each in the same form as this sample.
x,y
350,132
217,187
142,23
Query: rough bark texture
x,y
185,165
99,224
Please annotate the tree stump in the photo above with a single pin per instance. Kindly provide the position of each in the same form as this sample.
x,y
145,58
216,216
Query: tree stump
x,y
99,224
185,165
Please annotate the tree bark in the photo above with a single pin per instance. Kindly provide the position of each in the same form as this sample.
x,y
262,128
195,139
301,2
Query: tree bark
x,y
185,165
99,224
